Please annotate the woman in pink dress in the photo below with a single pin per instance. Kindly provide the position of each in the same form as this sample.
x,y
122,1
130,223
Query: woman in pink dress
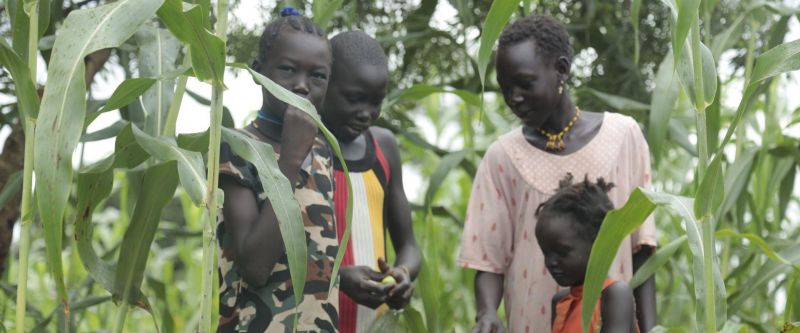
x,y
522,169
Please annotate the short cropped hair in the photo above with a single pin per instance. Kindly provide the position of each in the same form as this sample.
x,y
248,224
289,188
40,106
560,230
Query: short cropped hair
x,y
358,47
550,36
586,202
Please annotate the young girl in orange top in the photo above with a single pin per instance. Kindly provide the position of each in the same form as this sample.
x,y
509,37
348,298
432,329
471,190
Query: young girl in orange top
x,y
567,225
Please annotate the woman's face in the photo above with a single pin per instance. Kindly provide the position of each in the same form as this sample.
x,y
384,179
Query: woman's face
x,y
529,81
299,62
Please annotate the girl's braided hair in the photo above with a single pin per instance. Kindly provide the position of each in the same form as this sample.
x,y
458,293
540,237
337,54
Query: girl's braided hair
x,y
586,202
292,18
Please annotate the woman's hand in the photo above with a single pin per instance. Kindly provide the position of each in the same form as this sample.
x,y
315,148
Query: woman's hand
x,y
364,285
400,294
488,323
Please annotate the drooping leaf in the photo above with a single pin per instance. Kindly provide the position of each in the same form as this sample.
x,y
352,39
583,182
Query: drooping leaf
x,y
105,133
157,57
778,60
759,242
190,164
656,261
499,14
127,92
206,50
662,103
281,196
767,272
27,97
158,187
61,120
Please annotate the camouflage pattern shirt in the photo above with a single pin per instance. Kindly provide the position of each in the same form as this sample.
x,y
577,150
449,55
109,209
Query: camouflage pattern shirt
x,y
271,308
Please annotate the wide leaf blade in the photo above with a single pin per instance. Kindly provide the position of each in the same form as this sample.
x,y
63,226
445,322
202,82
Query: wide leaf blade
x,y
190,163
158,186
27,98
63,106
496,19
280,194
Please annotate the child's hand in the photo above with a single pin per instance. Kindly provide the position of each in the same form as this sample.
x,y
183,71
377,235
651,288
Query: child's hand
x,y
364,285
297,138
401,291
488,323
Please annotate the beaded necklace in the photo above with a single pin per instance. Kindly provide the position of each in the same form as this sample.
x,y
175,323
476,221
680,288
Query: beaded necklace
x,y
555,142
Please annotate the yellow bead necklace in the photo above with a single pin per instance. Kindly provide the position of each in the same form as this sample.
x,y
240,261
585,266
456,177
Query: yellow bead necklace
x,y
555,142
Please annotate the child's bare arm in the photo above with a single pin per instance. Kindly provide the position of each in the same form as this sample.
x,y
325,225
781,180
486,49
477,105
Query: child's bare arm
x,y
645,294
616,308
257,241
398,218
488,293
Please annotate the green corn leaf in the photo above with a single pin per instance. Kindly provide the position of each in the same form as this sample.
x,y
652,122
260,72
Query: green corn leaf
x,y
758,242
711,192
496,19
280,194
662,103
188,24
656,261
191,169
157,58
105,133
778,60
306,106
619,103
127,92
709,75
413,320
194,141
688,12
447,164
61,120
619,223
127,152
726,39
736,178
767,272
158,186
324,10
27,97
19,13
616,226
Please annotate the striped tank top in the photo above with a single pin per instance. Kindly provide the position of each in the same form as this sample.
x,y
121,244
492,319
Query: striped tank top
x,y
369,177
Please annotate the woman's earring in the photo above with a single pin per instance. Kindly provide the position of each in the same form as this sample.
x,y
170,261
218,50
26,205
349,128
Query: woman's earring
x,y
560,87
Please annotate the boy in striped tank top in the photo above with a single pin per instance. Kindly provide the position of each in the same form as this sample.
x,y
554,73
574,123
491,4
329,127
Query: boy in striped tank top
x,y
358,85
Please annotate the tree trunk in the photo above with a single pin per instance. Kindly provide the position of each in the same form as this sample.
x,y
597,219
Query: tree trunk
x,y
11,162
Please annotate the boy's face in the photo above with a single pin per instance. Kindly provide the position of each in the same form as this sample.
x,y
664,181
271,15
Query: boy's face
x,y
529,81
299,62
566,253
354,100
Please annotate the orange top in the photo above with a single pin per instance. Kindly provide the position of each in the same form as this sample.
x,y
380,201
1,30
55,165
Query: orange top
x,y
568,312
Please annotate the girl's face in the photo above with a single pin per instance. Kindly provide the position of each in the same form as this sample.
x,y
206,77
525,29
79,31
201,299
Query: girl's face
x,y
566,253
354,101
529,81
299,62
